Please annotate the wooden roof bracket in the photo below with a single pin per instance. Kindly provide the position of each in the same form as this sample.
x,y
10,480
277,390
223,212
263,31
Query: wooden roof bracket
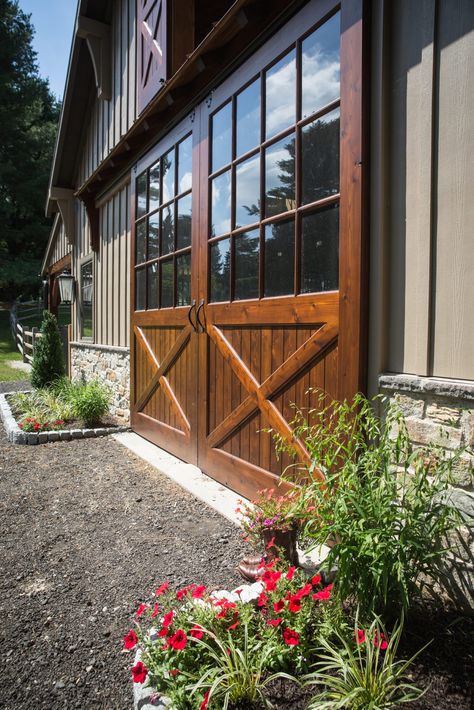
x,y
97,36
88,199
64,199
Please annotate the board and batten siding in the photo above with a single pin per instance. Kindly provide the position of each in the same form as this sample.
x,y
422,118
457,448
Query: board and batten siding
x,y
108,121
111,269
422,206
61,246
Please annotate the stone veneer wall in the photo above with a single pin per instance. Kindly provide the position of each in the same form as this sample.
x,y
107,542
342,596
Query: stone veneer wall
x,y
110,364
441,411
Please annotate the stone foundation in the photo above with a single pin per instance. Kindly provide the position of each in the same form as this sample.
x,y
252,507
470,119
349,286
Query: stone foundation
x,y
439,411
107,363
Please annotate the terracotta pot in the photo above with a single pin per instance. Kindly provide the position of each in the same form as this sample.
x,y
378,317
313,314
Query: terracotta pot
x,y
285,544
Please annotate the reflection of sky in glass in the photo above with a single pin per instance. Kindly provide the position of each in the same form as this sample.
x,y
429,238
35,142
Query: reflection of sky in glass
x,y
184,222
154,235
320,66
248,118
320,157
280,95
221,137
185,159
167,229
168,176
247,192
220,216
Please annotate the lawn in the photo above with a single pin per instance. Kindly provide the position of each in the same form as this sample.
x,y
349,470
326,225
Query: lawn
x,y
7,350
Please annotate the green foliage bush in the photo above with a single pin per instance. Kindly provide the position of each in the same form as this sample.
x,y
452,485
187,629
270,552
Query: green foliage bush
x,y
384,504
90,401
48,358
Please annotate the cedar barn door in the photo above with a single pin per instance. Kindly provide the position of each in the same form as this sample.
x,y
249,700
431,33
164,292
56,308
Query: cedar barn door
x,y
277,255
164,341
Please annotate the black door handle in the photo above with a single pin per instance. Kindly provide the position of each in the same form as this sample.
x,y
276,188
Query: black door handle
x,y
201,327
193,325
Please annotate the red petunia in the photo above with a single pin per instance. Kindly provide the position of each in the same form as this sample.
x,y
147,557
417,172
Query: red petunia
x,y
290,573
182,592
316,580
130,640
294,605
360,636
139,672
234,625
178,640
274,622
163,632
324,593
380,640
168,618
271,543
162,588
262,600
205,701
155,611
278,606
304,591
141,609
174,672
196,632
290,637
198,591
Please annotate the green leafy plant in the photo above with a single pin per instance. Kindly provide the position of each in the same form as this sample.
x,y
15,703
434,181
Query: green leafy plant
x,y
48,358
90,401
272,512
384,504
237,674
362,674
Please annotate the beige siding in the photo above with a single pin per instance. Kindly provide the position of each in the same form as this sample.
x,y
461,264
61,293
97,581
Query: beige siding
x,y
422,211
110,120
61,247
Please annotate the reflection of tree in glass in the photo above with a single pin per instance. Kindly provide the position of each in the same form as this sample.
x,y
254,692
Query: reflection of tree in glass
x,y
183,277
167,230
220,271
184,230
281,197
246,266
279,258
167,284
320,154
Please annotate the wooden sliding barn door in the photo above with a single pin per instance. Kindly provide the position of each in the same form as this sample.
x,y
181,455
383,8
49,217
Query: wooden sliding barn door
x,y
275,259
164,276
281,163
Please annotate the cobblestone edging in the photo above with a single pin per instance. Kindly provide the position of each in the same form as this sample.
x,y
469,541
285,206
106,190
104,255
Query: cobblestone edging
x,y
16,436
110,364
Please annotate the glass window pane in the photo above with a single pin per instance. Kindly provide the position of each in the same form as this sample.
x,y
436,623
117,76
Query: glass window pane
x,y
154,236
280,177
220,213
220,271
167,229
320,66
320,158
246,265
183,237
320,251
154,187
185,164
140,242
86,300
221,137
141,195
152,286
248,118
140,292
280,88
167,170
247,187
183,279
167,289
279,258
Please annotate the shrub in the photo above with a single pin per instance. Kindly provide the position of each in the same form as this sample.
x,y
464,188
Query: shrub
x,y
362,674
48,358
90,401
383,503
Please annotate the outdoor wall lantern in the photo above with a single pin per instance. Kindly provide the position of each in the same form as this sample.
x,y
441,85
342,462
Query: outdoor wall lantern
x,y
66,286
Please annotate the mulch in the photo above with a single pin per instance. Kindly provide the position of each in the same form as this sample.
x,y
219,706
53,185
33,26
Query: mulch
x,y
87,531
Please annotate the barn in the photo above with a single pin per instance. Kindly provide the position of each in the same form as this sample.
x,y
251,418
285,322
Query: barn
x,y
256,199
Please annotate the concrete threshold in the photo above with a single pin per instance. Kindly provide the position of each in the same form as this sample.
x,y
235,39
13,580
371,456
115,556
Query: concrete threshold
x,y
204,488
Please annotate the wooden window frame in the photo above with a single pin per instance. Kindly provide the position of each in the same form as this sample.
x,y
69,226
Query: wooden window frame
x,y
82,263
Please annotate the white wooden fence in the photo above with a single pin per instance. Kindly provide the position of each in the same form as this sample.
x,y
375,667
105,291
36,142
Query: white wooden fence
x,y
25,335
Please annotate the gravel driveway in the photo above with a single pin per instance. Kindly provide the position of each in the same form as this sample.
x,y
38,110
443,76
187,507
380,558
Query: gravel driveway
x,y
87,531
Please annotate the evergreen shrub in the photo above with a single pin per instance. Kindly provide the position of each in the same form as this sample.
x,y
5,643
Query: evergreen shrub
x,y
48,359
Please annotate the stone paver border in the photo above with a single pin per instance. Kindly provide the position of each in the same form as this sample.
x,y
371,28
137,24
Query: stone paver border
x,y
16,436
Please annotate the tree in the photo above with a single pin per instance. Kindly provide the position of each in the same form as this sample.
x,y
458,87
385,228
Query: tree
x,y
28,118
48,358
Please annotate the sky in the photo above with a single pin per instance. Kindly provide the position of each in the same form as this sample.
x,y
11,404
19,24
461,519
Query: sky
x,y
53,21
